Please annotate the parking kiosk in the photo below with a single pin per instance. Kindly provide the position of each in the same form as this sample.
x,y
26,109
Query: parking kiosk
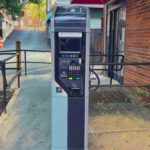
x,y
70,41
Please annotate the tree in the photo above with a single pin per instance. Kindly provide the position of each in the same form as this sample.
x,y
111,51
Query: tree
x,y
14,7
39,9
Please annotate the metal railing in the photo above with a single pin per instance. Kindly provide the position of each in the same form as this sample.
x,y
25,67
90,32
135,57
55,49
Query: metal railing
x,y
112,66
25,61
15,53
3,69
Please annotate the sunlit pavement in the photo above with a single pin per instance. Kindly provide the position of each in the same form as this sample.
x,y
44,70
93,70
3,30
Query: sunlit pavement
x,y
35,40
27,125
28,122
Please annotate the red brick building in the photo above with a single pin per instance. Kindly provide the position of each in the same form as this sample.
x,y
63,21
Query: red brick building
x,y
17,24
29,20
137,45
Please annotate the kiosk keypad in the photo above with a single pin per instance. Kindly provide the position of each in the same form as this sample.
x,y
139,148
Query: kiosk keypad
x,y
74,72
70,68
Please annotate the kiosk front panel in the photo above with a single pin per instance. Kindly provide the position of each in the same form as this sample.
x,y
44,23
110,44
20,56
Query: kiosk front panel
x,y
70,66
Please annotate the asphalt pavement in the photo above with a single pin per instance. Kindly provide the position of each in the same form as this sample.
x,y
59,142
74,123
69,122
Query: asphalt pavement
x,y
35,40
30,40
27,125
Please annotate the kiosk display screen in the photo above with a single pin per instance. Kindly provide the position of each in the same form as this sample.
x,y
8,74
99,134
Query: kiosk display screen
x,y
70,45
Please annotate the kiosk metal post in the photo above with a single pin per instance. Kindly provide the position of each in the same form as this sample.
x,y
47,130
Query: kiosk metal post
x,y
70,41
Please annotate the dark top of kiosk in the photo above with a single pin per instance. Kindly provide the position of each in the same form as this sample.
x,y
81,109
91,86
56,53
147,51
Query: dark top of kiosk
x,y
70,18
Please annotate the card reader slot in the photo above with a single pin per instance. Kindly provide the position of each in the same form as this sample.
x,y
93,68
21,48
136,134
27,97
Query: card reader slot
x,y
75,92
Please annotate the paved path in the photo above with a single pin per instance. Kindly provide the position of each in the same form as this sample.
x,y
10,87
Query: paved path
x,y
28,123
29,39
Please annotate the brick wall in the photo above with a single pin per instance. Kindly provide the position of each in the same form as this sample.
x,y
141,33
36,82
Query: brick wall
x,y
137,46
18,26
28,20
34,21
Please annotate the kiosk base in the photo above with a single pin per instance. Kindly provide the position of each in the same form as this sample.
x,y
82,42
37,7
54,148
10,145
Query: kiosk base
x,y
76,122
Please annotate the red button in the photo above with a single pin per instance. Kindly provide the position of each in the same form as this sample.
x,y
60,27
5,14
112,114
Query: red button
x,y
71,55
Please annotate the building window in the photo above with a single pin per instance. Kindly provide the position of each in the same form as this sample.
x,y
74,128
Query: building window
x,y
96,42
16,23
30,22
96,18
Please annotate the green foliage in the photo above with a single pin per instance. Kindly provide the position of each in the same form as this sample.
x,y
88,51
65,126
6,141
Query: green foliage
x,y
34,1
139,93
39,10
14,7
11,7
1,16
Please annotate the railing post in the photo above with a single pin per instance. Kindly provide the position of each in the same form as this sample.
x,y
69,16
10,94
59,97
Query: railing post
x,y
4,86
25,62
18,50
18,68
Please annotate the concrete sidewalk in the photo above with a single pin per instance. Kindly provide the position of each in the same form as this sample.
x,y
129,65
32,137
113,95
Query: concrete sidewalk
x,y
28,124
120,124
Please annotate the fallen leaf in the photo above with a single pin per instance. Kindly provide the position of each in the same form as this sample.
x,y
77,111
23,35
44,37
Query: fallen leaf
x,y
33,105
148,135
123,137
99,104
126,99
90,143
112,149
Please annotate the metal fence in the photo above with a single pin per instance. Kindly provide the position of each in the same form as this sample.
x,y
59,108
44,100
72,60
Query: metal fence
x,y
3,69
25,61
12,54
108,64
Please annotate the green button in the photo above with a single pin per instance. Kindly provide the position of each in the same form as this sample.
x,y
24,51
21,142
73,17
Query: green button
x,y
74,55
77,78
